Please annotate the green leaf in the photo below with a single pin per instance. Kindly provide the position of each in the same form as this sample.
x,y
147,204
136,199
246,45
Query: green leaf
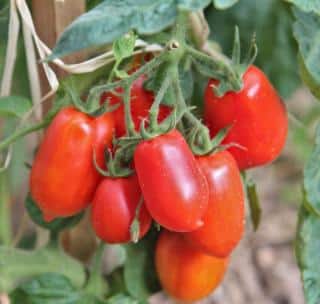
x,y
139,270
307,33
272,21
123,299
308,80
224,4
307,5
14,105
124,46
193,5
49,289
307,248
312,174
55,225
18,265
112,19
254,204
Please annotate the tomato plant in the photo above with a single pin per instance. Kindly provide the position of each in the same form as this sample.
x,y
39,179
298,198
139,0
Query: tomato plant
x,y
185,272
256,116
144,142
172,184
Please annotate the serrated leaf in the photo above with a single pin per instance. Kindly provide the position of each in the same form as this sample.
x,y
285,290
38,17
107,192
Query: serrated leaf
x,y
193,5
112,19
124,46
307,248
224,4
307,33
139,271
254,204
55,225
14,106
271,20
307,5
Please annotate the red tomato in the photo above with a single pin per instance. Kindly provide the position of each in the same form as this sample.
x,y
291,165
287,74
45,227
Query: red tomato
x,y
63,177
114,207
257,117
174,188
224,220
186,273
141,102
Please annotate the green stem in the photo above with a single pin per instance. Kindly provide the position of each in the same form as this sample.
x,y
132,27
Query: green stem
x,y
130,127
145,69
154,111
5,216
206,144
20,133
96,284
181,27
220,64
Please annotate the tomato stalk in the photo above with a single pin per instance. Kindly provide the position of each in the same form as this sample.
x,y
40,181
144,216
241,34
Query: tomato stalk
x,y
96,284
130,128
5,222
21,133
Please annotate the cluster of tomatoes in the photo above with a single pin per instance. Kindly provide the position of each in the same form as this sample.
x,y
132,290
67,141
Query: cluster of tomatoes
x,y
198,200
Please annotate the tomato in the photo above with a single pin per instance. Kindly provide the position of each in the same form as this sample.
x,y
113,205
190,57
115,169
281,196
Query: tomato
x,y
141,102
257,117
63,177
174,188
114,208
185,272
224,219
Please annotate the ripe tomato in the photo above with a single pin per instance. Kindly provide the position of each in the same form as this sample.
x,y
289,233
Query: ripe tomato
x,y
174,188
63,177
141,102
257,117
224,220
114,207
185,272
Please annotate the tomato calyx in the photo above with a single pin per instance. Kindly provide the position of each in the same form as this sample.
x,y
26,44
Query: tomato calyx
x,y
114,163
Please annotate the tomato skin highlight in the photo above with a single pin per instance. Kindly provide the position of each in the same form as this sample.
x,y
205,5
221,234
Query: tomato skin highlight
x,y
141,102
174,188
114,207
257,117
185,272
224,219
63,177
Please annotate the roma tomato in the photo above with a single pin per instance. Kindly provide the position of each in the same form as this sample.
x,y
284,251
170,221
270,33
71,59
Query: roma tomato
x,y
141,102
257,117
224,219
114,207
185,272
174,188
63,177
